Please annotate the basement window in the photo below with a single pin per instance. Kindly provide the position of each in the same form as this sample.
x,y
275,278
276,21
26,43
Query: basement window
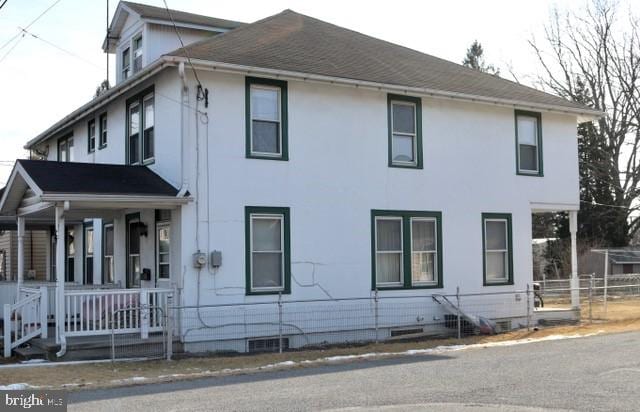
x,y
267,345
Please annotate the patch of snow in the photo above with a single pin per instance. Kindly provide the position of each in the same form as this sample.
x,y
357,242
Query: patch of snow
x,y
15,387
32,361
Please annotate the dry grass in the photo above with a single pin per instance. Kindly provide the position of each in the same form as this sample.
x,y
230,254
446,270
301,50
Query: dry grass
x,y
123,373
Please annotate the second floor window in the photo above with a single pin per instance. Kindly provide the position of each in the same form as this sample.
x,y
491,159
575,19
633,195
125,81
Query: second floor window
x,y
91,136
266,106
126,63
529,143
137,54
65,149
141,129
103,130
405,134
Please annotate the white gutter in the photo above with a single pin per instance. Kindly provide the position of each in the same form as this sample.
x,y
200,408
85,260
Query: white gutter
x,y
81,197
100,102
585,114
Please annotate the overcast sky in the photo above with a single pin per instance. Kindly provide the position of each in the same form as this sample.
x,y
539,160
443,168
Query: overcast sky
x,y
39,83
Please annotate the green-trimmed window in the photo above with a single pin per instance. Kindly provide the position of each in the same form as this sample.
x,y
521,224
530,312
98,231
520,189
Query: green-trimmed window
x,y
103,131
406,249
528,143
91,136
405,131
65,149
268,257
266,119
497,246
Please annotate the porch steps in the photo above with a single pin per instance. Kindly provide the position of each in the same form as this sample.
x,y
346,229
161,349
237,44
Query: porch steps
x,y
29,352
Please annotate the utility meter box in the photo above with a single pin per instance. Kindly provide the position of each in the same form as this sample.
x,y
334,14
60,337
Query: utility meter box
x,y
216,259
199,260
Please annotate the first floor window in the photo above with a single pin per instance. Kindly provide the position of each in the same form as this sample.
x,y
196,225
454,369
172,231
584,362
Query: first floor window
x,y
529,143
65,149
163,236
498,260
108,263
266,118
406,247
71,255
103,130
405,134
268,260
134,227
91,135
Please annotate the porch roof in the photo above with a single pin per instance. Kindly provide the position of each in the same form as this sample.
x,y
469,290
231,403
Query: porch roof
x,y
36,185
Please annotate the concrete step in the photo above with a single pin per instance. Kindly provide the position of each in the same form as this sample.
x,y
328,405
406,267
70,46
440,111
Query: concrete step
x,y
28,352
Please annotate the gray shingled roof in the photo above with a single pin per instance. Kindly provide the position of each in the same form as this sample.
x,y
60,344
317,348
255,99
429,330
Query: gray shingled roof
x,y
160,13
96,178
293,42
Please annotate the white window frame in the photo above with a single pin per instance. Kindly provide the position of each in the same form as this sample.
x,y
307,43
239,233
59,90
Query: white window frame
x,y
103,121
65,149
91,134
506,251
159,226
88,255
126,71
138,51
268,216
536,145
413,135
252,118
132,106
433,252
400,283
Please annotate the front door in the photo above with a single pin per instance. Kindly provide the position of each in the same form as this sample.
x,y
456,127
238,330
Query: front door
x,y
134,268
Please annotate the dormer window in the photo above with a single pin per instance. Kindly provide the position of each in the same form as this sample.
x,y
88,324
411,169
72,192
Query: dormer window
x,y
126,64
137,54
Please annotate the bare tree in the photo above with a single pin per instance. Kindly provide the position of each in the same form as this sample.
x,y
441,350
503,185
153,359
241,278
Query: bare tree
x,y
592,57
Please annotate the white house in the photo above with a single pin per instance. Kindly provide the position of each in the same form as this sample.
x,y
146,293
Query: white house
x,y
297,160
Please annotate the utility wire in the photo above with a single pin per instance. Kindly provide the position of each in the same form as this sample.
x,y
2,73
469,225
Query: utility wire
x,y
25,31
3,3
195,73
30,24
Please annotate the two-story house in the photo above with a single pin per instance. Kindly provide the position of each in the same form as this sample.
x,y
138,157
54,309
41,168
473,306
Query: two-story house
x,y
297,160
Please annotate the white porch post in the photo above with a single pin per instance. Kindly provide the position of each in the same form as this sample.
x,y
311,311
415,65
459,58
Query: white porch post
x,y
575,281
60,257
20,253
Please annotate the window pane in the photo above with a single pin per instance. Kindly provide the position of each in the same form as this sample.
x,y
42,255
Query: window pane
x,y
70,150
108,240
388,235
423,267
108,269
266,137
134,147
264,104
496,265
388,267
496,235
528,157
71,248
89,241
163,240
134,120
404,120
403,148
527,130
267,270
164,272
266,235
423,235
148,113
148,143
134,238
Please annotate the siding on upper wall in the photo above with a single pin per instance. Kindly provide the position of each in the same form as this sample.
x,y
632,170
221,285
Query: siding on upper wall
x,y
36,260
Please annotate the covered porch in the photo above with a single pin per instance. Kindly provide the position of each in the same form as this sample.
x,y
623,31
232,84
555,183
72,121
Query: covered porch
x,y
111,252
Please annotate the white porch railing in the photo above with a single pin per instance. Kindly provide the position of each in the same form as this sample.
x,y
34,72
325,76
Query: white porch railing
x,y
102,312
25,319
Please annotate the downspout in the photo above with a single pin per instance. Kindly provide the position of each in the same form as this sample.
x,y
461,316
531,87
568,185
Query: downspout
x,y
183,95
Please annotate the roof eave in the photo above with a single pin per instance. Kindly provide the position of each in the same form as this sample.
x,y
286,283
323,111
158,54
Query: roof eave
x,y
582,114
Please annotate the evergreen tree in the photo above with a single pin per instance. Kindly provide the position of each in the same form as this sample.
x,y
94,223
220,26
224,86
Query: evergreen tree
x,y
475,60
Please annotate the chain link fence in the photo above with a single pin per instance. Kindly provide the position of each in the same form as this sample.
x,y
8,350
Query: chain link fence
x,y
146,344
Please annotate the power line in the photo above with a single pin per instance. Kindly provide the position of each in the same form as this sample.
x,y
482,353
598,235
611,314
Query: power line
x,y
29,25
60,48
3,3
195,73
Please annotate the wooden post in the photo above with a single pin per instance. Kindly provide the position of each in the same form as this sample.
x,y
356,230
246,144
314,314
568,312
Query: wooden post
x,y
60,258
144,313
7,330
606,281
575,281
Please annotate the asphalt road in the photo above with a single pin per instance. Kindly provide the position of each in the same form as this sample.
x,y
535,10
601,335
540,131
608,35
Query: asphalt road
x,y
587,374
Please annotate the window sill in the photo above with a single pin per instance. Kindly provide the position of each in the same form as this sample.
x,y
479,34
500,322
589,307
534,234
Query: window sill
x,y
532,174
500,283
267,292
266,157
433,286
405,166
149,161
102,147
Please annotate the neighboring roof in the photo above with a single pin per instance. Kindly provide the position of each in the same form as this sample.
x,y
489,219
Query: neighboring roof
x,y
293,42
96,178
160,13
624,256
